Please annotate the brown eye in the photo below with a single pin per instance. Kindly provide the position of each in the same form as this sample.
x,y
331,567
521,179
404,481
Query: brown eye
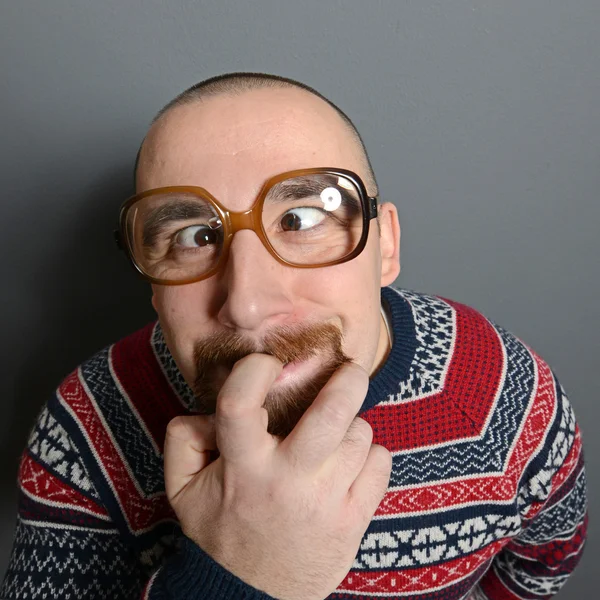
x,y
197,236
291,222
302,219
204,237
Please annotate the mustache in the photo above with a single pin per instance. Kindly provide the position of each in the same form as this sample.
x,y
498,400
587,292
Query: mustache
x,y
287,344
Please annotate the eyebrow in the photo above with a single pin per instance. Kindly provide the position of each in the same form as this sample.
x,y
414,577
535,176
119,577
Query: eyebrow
x,y
175,210
303,187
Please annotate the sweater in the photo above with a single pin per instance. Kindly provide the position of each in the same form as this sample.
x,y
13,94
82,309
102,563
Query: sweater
x,y
486,498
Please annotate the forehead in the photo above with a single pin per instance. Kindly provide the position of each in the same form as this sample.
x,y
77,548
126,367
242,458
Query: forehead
x,y
231,145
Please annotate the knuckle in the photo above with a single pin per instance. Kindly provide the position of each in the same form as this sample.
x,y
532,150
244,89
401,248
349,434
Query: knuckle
x,y
382,460
357,440
230,407
178,427
361,431
345,395
337,409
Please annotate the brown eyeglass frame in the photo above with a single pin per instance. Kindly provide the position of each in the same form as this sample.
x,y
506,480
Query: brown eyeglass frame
x,y
250,219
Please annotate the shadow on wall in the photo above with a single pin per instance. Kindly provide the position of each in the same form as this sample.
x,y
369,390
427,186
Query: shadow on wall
x,y
91,297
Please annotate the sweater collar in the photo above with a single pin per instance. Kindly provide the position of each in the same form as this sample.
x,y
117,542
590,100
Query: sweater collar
x,y
396,368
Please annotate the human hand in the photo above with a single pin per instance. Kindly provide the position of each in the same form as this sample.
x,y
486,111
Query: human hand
x,y
286,517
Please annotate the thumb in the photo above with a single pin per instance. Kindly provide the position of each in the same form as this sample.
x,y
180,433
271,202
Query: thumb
x,y
188,445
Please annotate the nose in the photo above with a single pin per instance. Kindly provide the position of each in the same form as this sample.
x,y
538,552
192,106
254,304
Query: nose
x,y
255,287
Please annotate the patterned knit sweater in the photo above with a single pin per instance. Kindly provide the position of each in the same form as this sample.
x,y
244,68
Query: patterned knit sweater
x,y
486,498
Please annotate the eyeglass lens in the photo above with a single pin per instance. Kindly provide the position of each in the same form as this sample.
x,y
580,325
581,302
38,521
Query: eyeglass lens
x,y
309,220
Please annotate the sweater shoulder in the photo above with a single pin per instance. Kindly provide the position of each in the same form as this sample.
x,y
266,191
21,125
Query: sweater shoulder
x,y
468,366
116,407
134,373
432,313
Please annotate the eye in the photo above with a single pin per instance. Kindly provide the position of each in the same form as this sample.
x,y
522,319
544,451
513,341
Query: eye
x,y
301,218
196,236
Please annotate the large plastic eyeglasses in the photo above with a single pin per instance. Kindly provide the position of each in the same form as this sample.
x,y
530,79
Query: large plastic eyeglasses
x,y
306,218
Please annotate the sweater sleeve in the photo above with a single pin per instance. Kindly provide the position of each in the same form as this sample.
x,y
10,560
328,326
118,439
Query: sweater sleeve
x,y
67,546
553,507
194,575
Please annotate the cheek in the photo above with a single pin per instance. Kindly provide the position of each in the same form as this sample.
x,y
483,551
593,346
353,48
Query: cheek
x,y
351,294
184,318
181,309
356,282
358,289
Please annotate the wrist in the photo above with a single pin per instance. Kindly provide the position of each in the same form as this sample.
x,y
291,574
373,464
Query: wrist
x,y
192,574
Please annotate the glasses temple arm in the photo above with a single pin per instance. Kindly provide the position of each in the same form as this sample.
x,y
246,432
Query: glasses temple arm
x,y
372,207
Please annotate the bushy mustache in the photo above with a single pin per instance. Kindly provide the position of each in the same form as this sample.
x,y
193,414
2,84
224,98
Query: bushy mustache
x,y
286,344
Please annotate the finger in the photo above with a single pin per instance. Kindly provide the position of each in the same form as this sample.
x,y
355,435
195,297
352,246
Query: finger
x,y
325,423
349,458
369,488
240,421
189,442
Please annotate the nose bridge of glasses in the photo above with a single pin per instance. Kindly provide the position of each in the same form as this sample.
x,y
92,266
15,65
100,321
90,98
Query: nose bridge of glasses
x,y
249,219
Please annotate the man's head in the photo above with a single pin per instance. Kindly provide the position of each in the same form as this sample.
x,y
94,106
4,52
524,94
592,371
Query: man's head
x,y
229,136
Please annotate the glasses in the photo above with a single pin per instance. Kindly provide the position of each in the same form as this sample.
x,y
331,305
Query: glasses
x,y
306,219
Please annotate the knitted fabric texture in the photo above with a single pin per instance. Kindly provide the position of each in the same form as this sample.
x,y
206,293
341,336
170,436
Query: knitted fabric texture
x,y
486,499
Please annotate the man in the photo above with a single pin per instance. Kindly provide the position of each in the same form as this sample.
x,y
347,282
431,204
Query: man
x,y
257,223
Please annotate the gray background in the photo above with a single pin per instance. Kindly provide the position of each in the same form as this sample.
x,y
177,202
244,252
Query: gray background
x,y
482,119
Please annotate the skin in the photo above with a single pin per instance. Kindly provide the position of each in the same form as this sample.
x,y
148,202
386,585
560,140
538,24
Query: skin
x,y
230,145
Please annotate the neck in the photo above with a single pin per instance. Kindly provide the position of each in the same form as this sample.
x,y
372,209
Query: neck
x,y
383,346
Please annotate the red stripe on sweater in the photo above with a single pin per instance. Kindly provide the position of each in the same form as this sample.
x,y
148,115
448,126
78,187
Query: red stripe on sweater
x,y
570,464
461,408
488,487
419,580
139,373
45,487
492,587
140,512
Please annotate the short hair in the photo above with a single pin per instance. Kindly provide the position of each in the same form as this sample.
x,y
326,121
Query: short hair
x,y
240,82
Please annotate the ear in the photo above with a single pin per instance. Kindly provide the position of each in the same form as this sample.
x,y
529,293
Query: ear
x,y
389,243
